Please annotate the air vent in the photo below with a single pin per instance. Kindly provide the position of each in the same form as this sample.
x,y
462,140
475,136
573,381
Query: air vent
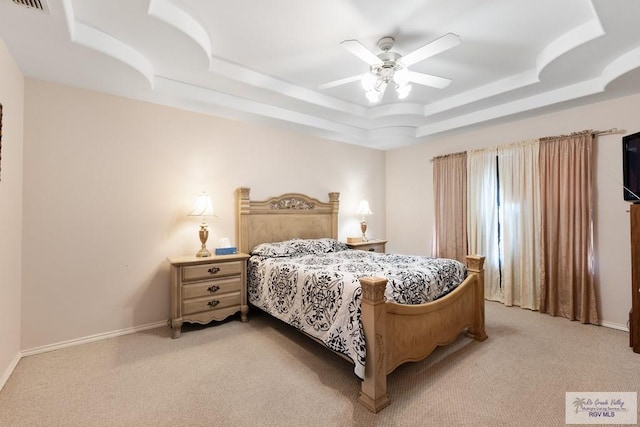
x,y
41,5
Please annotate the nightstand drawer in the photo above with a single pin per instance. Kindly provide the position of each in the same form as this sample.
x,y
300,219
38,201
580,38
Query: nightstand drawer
x,y
196,305
207,271
212,287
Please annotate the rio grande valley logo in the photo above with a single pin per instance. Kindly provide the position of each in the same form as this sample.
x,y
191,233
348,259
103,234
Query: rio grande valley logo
x,y
601,408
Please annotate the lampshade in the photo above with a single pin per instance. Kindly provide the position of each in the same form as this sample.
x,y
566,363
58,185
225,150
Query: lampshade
x,y
203,206
363,208
403,91
374,95
368,82
401,76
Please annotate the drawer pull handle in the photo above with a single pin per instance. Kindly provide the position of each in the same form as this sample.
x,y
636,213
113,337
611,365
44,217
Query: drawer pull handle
x,y
213,303
213,288
213,270
372,249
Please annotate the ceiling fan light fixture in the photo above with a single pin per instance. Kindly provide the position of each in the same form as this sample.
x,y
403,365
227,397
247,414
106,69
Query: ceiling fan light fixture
x,y
374,95
391,67
368,82
403,91
401,76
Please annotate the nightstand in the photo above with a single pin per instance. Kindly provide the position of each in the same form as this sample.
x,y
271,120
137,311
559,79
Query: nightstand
x,y
371,245
206,289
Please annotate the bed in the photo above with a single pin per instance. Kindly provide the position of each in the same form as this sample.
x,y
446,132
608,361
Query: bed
x,y
394,333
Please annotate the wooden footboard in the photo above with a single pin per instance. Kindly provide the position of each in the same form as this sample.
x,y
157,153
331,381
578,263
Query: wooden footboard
x,y
398,333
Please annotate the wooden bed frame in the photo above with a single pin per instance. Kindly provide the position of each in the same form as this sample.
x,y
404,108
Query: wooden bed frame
x,y
394,333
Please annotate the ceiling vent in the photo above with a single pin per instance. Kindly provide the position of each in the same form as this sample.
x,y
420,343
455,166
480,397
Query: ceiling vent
x,y
40,5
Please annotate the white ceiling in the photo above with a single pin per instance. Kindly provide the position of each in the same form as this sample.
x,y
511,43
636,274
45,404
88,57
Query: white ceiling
x,y
262,60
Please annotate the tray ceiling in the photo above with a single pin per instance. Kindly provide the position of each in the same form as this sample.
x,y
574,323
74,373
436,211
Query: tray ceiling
x,y
262,61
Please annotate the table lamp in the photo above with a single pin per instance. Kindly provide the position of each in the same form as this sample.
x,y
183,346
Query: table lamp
x,y
363,209
203,207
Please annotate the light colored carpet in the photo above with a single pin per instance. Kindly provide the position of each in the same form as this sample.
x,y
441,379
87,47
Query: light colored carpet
x,y
263,373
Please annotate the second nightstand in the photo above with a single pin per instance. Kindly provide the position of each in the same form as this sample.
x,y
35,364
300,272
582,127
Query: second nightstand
x,y
206,289
371,245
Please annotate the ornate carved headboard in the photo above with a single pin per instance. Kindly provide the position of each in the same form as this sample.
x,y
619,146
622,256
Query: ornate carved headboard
x,y
289,216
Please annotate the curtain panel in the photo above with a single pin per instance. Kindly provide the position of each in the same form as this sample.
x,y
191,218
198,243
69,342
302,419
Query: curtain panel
x,y
567,284
482,216
519,186
450,196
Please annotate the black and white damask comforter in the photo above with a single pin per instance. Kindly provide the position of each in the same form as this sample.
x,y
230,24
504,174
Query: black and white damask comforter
x,y
314,286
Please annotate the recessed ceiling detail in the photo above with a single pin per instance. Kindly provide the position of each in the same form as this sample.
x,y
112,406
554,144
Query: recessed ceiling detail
x,y
263,61
178,18
90,37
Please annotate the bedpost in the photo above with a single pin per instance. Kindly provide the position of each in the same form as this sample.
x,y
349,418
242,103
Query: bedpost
x,y
475,265
334,199
242,227
373,391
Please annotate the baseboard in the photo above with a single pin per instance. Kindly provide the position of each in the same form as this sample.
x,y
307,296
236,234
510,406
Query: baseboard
x,y
9,371
92,338
71,343
618,326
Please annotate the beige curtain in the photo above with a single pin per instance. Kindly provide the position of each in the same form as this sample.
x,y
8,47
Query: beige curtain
x,y
450,201
567,286
519,183
482,216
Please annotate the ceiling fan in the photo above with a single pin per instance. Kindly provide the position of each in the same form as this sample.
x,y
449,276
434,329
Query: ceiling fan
x,y
389,67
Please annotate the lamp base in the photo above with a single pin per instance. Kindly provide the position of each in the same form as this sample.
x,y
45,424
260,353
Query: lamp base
x,y
204,235
203,253
363,228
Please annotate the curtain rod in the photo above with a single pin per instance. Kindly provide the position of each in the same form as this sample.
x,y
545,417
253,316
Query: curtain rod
x,y
610,131
605,132
460,153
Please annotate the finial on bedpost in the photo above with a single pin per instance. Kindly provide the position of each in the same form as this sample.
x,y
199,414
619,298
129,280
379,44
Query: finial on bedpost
x,y
373,390
334,199
475,263
373,289
242,194
243,204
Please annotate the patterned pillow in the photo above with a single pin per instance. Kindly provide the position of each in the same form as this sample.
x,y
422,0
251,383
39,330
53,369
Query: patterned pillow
x,y
297,247
274,250
339,246
314,246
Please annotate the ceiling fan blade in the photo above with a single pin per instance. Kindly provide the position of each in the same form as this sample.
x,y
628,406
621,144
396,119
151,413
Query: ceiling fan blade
x,y
429,80
440,45
340,82
355,47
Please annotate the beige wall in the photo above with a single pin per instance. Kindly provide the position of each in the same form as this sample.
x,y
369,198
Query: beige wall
x,y
12,100
108,182
107,185
409,178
